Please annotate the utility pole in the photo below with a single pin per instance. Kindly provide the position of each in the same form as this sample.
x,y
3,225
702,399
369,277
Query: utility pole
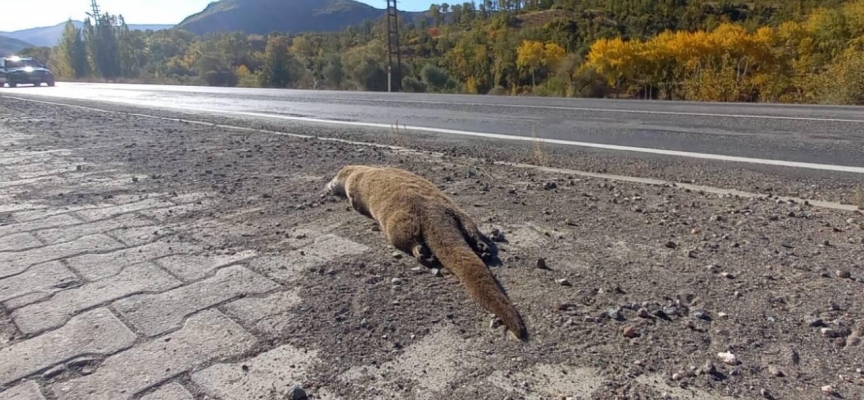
x,y
393,48
95,12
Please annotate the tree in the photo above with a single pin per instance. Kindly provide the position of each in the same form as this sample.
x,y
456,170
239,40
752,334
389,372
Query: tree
x,y
334,74
71,54
278,69
530,58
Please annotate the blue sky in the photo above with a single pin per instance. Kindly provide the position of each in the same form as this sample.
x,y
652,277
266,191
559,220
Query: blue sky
x,y
23,14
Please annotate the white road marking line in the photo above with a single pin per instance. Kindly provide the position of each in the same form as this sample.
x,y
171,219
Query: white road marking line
x,y
646,150
622,178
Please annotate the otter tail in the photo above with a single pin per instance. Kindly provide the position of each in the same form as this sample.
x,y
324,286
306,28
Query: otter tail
x,y
447,242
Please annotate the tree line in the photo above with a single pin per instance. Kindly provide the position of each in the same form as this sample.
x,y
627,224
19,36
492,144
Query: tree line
x,y
791,51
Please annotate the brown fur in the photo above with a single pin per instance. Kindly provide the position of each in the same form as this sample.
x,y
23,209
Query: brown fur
x,y
420,220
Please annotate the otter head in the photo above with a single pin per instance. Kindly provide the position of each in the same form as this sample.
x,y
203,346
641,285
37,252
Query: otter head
x,y
336,186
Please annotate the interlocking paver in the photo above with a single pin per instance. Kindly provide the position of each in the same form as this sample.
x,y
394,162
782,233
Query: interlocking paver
x,y
194,267
96,214
48,222
324,249
57,235
158,313
170,391
270,375
206,337
14,263
94,332
268,314
42,278
139,236
163,214
100,266
24,391
55,312
19,242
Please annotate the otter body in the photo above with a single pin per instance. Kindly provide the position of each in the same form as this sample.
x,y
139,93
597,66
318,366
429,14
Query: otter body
x,y
419,219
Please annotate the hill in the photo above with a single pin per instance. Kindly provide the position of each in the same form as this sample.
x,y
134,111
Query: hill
x,y
50,35
10,45
265,16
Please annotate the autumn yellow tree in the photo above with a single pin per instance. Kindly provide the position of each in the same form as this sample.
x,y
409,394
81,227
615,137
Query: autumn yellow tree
x,y
529,57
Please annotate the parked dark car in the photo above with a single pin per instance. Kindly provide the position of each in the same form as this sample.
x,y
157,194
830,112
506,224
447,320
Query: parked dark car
x,y
16,71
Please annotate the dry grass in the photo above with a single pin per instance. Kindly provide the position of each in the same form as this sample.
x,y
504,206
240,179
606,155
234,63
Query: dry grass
x,y
539,156
398,137
858,198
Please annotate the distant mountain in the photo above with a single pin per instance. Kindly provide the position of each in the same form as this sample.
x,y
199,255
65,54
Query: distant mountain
x,y
265,16
10,46
50,35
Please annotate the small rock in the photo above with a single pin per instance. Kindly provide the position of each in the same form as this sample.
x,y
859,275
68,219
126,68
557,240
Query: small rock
x,y
713,268
550,186
766,394
563,282
676,376
630,332
775,372
728,275
708,369
497,235
643,313
615,314
671,311
844,274
397,255
703,315
296,393
829,390
829,333
541,264
671,245
728,358
815,322
722,314
396,281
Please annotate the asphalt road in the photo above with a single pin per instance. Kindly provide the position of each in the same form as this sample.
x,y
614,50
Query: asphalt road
x,y
830,135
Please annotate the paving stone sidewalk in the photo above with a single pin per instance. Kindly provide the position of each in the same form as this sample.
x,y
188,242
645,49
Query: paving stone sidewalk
x,y
111,301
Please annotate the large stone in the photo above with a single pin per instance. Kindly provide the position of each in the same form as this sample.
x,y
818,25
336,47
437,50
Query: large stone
x,y
24,391
170,391
194,267
155,314
54,312
100,266
15,263
42,279
269,375
95,332
206,337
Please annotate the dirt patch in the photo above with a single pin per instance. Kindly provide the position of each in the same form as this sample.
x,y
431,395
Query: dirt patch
x,y
685,274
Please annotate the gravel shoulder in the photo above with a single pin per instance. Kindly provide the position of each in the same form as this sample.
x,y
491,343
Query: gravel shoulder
x,y
648,290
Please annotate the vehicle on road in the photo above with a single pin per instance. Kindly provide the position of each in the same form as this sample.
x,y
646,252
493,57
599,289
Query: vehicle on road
x,y
16,71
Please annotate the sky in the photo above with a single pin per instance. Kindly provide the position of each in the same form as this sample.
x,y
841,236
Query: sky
x,y
24,14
